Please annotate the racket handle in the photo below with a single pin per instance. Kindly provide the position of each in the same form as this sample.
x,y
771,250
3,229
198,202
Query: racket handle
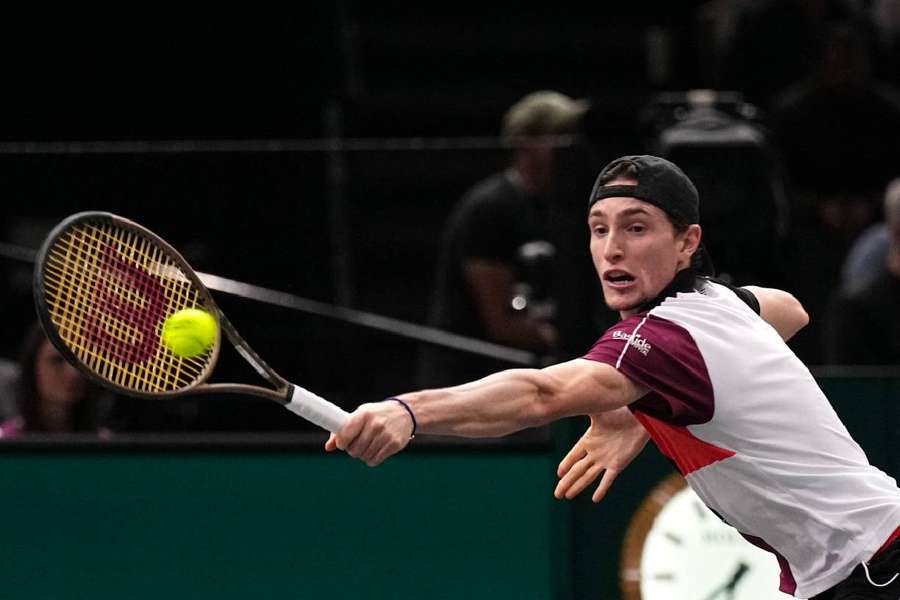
x,y
316,409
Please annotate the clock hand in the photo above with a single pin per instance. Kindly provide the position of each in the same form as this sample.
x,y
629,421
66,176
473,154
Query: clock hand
x,y
738,575
728,587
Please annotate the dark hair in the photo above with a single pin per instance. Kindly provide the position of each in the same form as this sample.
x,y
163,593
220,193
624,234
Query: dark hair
x,y
85,411
628,170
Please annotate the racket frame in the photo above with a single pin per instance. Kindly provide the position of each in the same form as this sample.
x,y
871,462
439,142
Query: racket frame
x,y
283,391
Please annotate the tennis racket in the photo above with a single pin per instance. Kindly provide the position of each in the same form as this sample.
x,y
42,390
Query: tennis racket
x,y
104,286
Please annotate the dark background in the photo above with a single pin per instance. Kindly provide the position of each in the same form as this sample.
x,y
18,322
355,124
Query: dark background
x,y
357,227
367,71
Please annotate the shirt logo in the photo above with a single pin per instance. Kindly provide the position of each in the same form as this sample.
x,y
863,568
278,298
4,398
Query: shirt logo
x,y
634,340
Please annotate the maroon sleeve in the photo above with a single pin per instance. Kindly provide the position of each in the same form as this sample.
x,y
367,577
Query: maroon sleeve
x,y
663,357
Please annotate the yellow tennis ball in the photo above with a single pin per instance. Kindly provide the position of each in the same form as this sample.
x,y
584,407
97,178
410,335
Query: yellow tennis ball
x,y
189,332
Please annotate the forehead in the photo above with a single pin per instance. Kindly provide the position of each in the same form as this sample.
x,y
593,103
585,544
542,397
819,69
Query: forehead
x,y
620,207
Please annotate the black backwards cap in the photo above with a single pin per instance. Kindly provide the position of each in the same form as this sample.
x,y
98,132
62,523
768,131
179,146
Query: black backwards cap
x,y
662,184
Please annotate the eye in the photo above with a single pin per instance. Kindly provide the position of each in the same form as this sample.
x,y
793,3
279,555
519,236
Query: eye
x,y
599,229
637,228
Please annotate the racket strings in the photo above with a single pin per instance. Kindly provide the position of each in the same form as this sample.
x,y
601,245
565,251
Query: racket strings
x,y
109,290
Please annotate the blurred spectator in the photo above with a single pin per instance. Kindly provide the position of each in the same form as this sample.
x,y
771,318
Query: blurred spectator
x,y
51,396
836,124
839,133
866,259
884,17
776,43
9,377
864,321
496,237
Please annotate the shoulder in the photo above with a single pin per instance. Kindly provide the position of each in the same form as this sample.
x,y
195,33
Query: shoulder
x,y
712,287
663,357
496,189
489,199
641,337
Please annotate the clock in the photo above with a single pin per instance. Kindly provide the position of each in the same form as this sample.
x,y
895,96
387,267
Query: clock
x,y
676,548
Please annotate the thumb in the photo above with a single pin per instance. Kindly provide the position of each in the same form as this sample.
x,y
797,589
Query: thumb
x,y
331,444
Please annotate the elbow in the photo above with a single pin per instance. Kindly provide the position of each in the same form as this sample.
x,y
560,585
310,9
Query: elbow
x,y
800,317
796,318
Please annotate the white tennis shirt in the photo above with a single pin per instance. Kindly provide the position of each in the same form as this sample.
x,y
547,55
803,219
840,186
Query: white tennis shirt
x,y
748,426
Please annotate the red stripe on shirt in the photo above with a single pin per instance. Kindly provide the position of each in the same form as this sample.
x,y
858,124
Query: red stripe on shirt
x,y
894,537
675,441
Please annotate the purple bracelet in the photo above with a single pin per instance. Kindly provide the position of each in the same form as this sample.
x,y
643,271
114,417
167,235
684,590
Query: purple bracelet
x,y
411,415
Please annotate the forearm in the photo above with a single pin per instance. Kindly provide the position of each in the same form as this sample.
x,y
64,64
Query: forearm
x,y
517,399
492,286
494,406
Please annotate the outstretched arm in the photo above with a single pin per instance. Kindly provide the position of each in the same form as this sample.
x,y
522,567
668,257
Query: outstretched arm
x,y
491,284
781,310
494,406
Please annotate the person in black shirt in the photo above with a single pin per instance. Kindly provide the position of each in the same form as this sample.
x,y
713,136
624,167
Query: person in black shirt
x,y
497,224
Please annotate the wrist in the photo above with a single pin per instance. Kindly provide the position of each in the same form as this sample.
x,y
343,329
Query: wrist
x,y
409,410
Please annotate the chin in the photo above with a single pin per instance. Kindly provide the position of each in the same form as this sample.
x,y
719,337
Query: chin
x,y
623,304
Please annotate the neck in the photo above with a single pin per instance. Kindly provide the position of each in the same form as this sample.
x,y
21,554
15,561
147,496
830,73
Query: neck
x,y
684,281
523,176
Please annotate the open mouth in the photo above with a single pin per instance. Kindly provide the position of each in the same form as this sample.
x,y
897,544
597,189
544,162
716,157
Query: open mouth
x,y
618,278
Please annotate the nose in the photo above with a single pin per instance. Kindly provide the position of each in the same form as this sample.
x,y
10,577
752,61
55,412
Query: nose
x,y
613,250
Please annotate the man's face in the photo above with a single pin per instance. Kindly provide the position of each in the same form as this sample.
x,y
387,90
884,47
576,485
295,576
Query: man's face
x,y
636,250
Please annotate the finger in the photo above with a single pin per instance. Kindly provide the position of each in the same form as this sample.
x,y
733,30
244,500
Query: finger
x,y
361,443
375,446
605,483
364,432
331,444
349,431
574,455
571,477
585,480
386,452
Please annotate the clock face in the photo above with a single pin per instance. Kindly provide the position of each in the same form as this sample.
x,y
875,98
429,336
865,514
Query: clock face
x,y
678,549
690,554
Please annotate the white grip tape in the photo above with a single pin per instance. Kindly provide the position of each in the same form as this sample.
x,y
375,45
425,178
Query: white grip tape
x,y
316,409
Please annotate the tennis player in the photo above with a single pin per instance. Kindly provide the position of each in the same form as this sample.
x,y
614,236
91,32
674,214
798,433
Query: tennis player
x,y
700,367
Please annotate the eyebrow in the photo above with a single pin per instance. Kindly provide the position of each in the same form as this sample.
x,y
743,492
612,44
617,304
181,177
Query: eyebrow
x,y
628,212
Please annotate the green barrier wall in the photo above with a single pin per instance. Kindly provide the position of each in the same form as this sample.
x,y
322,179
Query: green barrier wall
x,y
145,524
290,522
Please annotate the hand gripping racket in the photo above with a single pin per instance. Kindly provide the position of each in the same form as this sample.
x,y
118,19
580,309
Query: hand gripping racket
x,y
104,286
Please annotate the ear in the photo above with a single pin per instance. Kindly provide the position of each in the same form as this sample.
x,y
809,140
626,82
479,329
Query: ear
x,y
690,239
